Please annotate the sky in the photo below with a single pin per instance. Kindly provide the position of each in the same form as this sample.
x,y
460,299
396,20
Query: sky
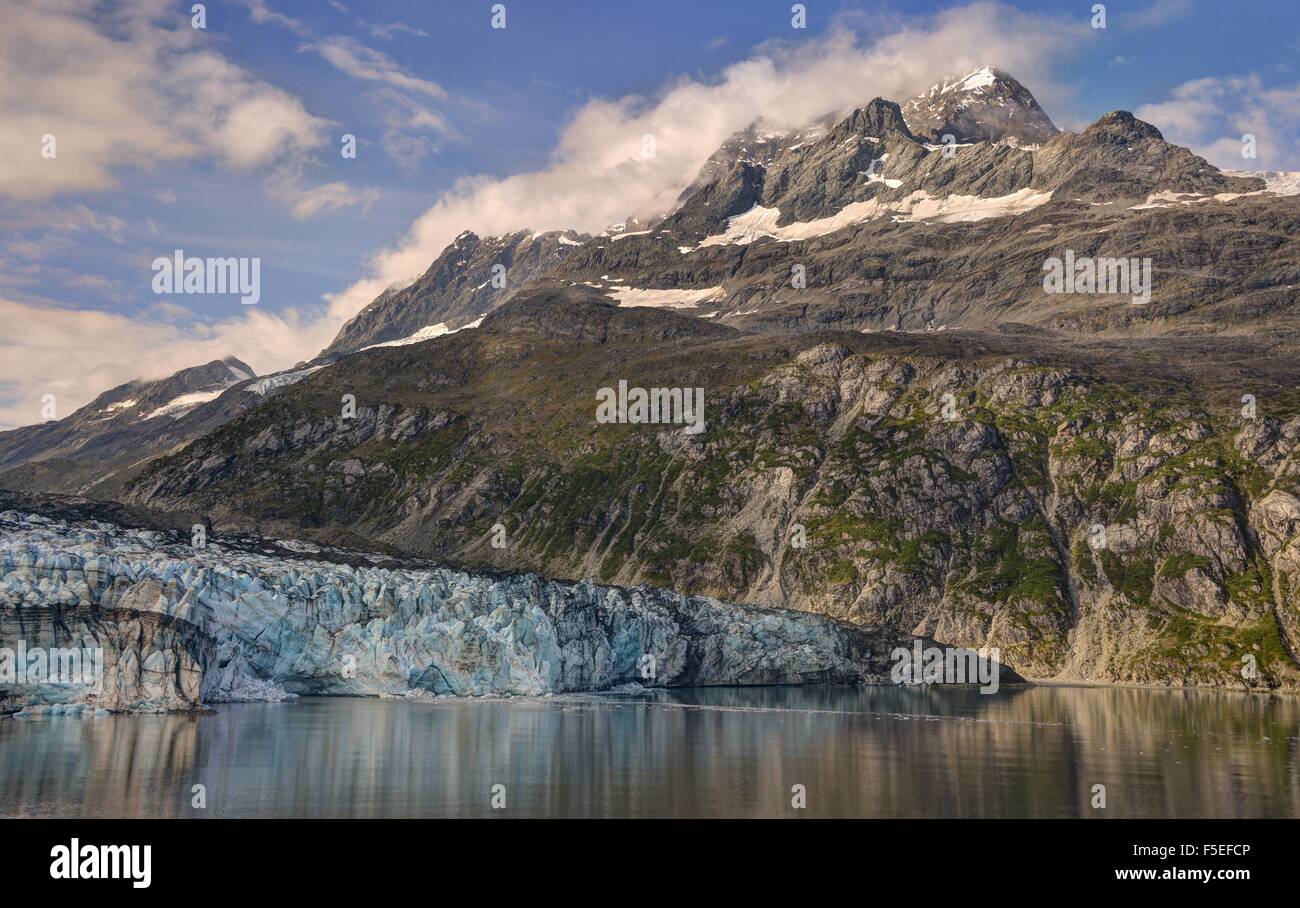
x,y
227,140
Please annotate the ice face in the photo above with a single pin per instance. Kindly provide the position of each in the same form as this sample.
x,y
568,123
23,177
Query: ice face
x,y
247,619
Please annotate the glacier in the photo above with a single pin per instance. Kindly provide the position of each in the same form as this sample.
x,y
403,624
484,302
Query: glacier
x,y
251,618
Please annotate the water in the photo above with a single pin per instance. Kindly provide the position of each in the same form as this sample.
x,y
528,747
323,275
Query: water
x,y
721,752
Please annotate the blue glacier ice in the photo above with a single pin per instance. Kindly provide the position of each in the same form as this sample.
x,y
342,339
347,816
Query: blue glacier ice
x,y
247,619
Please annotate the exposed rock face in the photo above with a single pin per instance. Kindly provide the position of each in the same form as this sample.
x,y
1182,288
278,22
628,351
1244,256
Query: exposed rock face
x,y
1120,157
758,145
182,626
984,106
458,287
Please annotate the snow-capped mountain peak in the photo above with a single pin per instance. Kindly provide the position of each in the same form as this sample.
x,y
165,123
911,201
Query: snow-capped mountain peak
x,y
985,105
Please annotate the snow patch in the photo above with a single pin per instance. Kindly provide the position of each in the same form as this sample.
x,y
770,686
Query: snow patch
x,y
761,222
428,332
665,299
981,78
298,545
958,209
876,173
1169,198
263,386
984,77
179,406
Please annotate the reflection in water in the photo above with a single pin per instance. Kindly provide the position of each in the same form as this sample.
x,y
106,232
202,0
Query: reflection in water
x,y
860,752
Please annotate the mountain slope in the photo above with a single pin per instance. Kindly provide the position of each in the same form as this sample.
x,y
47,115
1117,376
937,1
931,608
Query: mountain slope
x,y
98,447
110,420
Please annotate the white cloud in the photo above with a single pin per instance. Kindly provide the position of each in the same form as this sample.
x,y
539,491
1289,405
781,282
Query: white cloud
x,y
37,243
386,31
93,281
250,124
64,218
1211,115
1160,12
412,131
360,62
134,90
262,14
306,203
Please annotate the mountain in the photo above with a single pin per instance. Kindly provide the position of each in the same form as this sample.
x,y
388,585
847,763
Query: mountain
x,y
458,288
886,374
100,445
834,196
888,233
986,105
109,421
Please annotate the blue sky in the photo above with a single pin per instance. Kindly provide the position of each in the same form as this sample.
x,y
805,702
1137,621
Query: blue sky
x,y
225,141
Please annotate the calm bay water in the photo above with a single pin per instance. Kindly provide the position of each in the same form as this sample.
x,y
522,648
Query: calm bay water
x,y
721,752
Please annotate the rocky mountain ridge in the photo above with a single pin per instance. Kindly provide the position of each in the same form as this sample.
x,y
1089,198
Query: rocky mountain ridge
x,y
469,278
99,446
870,228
